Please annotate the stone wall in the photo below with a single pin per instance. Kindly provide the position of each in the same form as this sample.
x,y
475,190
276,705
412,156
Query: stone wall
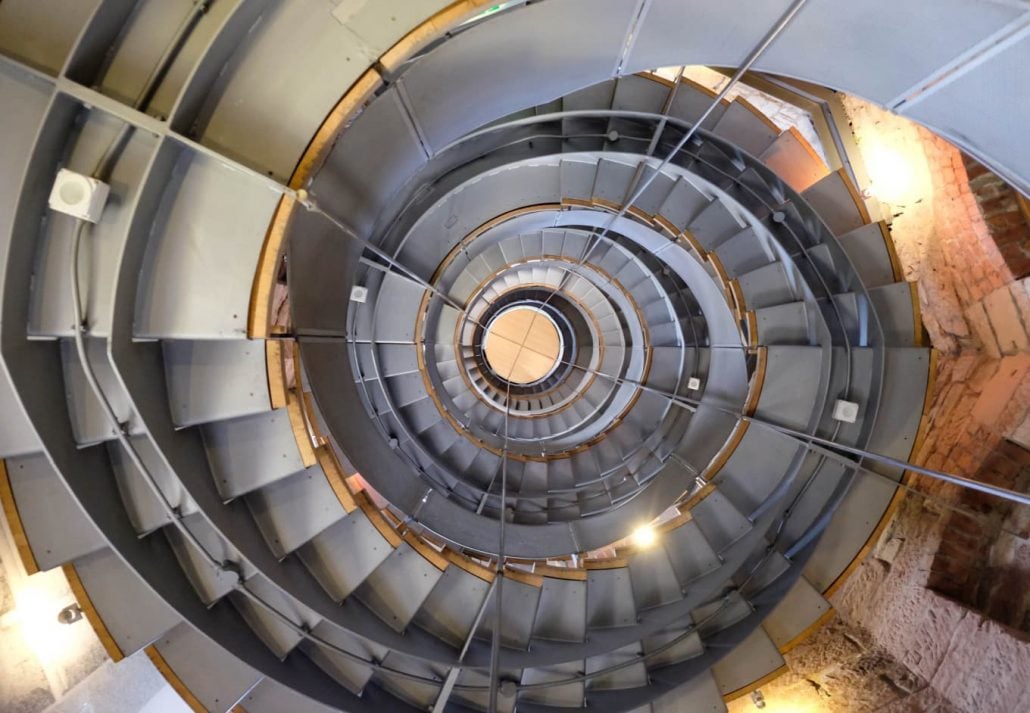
x,y
935,618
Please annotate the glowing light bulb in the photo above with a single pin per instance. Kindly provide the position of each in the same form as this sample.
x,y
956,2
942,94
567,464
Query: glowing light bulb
x,y
644,537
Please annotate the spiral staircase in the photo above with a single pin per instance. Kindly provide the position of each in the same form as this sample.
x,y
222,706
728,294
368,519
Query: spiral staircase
x,y
401,176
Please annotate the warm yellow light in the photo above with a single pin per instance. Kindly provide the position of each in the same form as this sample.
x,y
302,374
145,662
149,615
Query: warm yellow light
x,y
644,537
36,616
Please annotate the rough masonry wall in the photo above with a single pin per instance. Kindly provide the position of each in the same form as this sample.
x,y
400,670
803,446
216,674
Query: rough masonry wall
x,y
935,619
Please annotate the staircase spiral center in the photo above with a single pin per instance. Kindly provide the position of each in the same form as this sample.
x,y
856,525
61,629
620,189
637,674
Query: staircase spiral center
x,y
522,345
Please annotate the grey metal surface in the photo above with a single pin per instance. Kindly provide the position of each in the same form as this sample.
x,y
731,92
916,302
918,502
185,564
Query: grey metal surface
x,y
197,275
215,380
753,658
398,586
344,554
57,529
217,679
250,452
131,612
293,510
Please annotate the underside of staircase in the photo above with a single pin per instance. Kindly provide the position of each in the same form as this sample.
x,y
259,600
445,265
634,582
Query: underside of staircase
x,y
251,411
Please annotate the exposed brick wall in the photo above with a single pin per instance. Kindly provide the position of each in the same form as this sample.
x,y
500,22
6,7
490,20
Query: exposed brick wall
x,y
1004,215
983,560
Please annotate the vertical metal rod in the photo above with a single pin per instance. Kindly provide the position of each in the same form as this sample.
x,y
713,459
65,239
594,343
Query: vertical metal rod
x,y
495,642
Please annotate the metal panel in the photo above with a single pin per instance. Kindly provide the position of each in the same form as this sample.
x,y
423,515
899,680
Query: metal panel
x,y
500,67
131,612
57,529
767,286
895,305
380,25
271,697
800,609
90,421
743,127
51,311
519,601
610,598
370,162
753,658
654,579
794,160
569,695
259,112
293,510
215,380
397,588
689,552
199,268
687,646
141,504
217,679
251,452
451,608
759,462
832,198
791,389
352,674
985,109
699,695
561,613
721,522
279,637
343,555
630,676
715,225
867,249
209,581
851,47
42,33
783,324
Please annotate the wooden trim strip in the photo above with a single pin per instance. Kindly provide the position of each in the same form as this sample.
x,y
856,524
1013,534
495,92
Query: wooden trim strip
x,y
726,451
808,630
337,480
769,123
611,563
917,315
435,558
690,239
462,562
299,425
899,494
570,573
428,31
519,575
697,497
752,328
856,196
668,226
276,373
737,292
266,274
92,615
757,383
10,506
174,681
352,101
892,254
757,683
377,519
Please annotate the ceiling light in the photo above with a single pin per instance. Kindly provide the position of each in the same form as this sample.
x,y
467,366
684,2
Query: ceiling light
x,y
644,537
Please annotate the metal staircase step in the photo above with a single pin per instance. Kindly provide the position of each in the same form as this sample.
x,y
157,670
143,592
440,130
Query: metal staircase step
x,y
561,612
90,422
519,599
399,586
794,160
142,505
754,657
55,527
803,608
720,521
278,636
837,202
630,676
872,254
211,676
215,380
348,671
252,452
291,511
746,127
610,600
125,612
451,609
